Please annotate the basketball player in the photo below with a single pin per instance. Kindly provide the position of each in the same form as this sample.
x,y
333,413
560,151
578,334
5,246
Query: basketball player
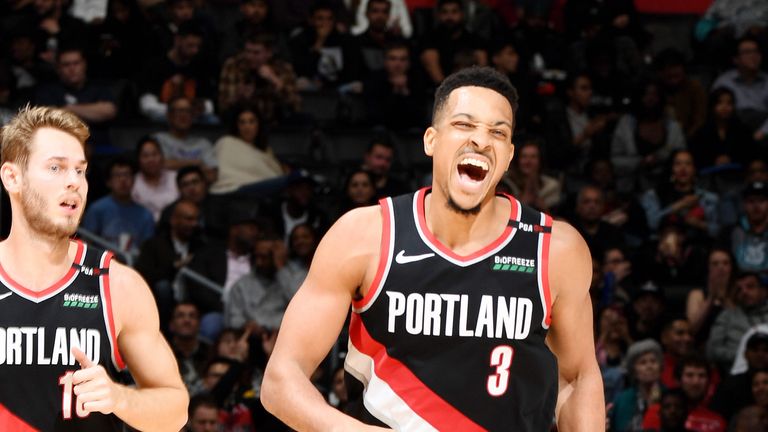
x,y
469,311
70,315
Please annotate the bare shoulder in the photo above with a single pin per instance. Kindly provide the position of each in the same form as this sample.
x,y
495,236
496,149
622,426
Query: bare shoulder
x,y
357,229
570,260
132,301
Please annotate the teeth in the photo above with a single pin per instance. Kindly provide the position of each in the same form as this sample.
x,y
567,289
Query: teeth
x,y
475,162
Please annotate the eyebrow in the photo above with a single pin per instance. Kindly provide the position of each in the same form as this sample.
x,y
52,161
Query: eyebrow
x,y
472,118
65,159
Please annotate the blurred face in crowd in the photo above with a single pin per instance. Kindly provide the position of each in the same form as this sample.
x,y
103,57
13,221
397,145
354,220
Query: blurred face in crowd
x,y
204,419
187,46
756,208
749,292
673,411
694,380
677,339
255,11
227,344
192,187
757,356
748,57
757,171
180,116
185,220
602,173
263,257
683,170
397,61
360,189
647,368
614,258
589,204
323,21
213,374
506,60
613,324
529,160
724,106
248,126
450,16
71,68
182,10
672,75
651,97
242,237
151,159
303,241
377,13
760,389
185,321
648,308
720,265
120,181
256,55
581,92
379,159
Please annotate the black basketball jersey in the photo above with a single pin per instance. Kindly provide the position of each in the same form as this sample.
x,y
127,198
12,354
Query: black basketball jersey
x,y
448,342
37,330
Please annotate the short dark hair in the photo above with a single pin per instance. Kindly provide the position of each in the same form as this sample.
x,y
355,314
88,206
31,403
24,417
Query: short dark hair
x,y
380,141
187,170
260,38
322,5
475,76
69,48
201,400
692,360
143,141
741,40
120,161
442,3
370,2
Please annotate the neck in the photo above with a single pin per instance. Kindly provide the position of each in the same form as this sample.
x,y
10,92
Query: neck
x,y
179,133
25,251
683,187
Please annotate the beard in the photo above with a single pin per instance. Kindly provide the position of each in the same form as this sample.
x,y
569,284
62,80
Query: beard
x,y
455,207
35,210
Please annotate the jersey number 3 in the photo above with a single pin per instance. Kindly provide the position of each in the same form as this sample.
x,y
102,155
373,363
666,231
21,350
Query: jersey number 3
x,y
66,398
501,358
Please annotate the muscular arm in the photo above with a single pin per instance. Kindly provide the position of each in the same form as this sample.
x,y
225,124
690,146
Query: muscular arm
x,y
159,403
312,323
580,404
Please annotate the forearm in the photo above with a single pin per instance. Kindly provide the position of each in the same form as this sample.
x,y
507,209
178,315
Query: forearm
x,y
581,404
155,409
95,112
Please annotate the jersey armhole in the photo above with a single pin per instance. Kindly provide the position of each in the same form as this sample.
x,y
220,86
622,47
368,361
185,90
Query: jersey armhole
x,y
109,319
385,255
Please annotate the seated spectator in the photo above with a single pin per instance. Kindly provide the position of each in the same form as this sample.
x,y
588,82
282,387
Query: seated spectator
x,y
298,206
203,415
681,202
695,377
302,244
723,138
154,186
182,148
448,41
677,343
731,324
397,23
673,412
705,304
599,235
618,280
322,56
255,17
190,180
732,196
760,389
374,35
256,77
119,40
394,94
647,311
749,238
685,96
734,392
177,14
643,364
673,259
191,352
750,86
116,217
243,156
611,345
28,69
358,191
258,300
92,102
378,161
527,181
161,257
52,25
644,139
180,72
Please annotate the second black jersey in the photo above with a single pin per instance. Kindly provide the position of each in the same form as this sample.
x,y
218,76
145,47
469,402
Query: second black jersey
x,y
37,332
449,342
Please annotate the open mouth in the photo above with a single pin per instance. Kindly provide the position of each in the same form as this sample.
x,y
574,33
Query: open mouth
x,y
473,169
68,204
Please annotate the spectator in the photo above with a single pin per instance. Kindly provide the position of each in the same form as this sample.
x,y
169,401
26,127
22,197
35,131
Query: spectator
x,y
644,139
760,389
618,281
732,198
505,58
750,86
378,161
358,191
54,27
731,324
203,415
695,377
600,235
90,101
191,352
643,364
28,69
394,94
674,260
190,180
154,186
299,206
178,73
611,346
180,146
723,139
672,412
116,217
750,419
705,304
749,238
442,47
527,179
302,244
397,22
648,308
243,155
119,40
681,203
256,77
685,96
373,40
677,343
255,17
734,392
161,257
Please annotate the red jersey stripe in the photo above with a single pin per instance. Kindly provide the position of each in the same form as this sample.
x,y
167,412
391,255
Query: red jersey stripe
x,y
384,254
56,285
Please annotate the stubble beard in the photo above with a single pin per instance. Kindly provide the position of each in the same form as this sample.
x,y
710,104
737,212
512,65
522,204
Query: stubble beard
x,y
455,207
34,209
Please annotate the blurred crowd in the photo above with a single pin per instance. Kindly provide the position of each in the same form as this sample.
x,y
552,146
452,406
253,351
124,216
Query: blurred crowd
x,y
228,135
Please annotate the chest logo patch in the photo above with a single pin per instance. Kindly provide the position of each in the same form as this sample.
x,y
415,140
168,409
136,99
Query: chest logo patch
x,y
81,301
515,264
402,258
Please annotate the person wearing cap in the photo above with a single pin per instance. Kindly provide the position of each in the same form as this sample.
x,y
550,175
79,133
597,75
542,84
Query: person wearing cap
x,y
643,364
734,392
648,309
731,324
749,238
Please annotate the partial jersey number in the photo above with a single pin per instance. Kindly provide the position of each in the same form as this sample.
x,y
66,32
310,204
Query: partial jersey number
x,y
501,357
66,398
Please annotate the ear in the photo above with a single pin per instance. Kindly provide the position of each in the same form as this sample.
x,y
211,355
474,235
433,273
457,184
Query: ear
x,y
10,173
511,156
430,135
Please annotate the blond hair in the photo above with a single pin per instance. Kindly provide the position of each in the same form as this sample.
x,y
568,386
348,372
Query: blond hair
x,y
16,136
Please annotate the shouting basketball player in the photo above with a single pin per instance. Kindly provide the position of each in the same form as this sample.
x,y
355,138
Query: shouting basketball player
x,y
70,316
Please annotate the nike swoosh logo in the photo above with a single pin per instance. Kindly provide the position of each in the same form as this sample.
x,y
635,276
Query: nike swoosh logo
x,y
8,294
402,259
